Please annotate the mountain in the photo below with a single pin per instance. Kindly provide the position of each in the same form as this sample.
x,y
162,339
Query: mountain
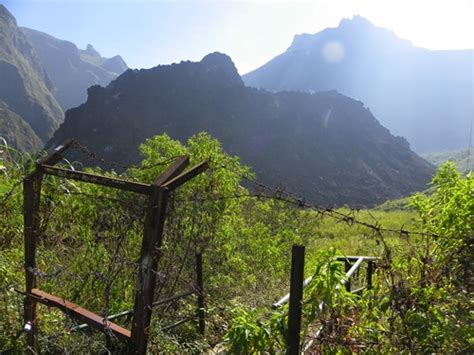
x,y
17,132
425,96
25,88
463,158
72,70
324,146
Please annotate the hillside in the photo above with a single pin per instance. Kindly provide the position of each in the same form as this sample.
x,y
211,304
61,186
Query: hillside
x,y
425,96
459,157
24,84
17,132
325,146
72,70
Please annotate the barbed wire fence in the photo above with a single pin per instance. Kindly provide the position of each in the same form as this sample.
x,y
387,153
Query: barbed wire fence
x,y
116,220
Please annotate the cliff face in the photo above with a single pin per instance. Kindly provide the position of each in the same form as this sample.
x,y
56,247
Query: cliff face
x,y
72,70
25,88
17,132
324,146
425,96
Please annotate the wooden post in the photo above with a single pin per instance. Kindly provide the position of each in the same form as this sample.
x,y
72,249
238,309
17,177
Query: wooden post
x,y
200,298
146,282
296,297
31,205
347,268
370,271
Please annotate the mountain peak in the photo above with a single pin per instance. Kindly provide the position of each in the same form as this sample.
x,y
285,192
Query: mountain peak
x,y
6,15
223,66
356,21
115,64
92,51
218,60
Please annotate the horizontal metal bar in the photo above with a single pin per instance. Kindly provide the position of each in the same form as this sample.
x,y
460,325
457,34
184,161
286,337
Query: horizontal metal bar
x,y
355,258
358,290
186,176
126,313
174,325
174,298
286,297
83,315
350,272
132,186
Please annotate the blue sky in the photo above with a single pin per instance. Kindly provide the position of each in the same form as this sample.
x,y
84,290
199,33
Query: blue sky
x,y
151,32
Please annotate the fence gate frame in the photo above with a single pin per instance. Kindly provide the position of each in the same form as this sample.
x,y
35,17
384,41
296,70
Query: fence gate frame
x,y
136,338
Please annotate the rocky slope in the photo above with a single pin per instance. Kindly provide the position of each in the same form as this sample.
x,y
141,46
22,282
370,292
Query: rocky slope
x,y
425,96
72,70
325,146
17,132
25,88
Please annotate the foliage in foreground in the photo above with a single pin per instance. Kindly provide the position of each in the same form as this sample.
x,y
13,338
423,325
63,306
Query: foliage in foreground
x,y
422,299
91,235
419,303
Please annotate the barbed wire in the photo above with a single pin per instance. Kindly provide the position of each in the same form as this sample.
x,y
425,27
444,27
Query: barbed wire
x,y
113,164
117,263
278,193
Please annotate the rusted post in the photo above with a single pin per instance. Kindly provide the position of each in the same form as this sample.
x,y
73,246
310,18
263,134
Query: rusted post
x,y
155,218
347,268
31,204
146,282
200,290
370,271
296,297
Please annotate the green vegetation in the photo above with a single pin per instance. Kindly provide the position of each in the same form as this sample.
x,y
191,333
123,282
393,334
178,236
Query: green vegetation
x,y
459,157
90,240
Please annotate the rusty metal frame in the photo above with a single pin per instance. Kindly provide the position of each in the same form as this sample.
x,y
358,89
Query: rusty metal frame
x,y
158,192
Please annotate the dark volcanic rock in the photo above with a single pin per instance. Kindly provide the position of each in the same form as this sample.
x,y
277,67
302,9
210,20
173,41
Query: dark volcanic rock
x,y
325,146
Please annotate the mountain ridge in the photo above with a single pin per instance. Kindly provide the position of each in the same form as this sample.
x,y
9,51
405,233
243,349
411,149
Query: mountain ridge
x,y
425,96
330,148
25,87
73,70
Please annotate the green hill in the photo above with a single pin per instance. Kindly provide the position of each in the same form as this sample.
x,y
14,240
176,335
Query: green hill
x,y
464,161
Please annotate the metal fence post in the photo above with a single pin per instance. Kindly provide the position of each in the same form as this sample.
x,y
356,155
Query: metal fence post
x,y
31,202
296,297
347,268
200,298
370,271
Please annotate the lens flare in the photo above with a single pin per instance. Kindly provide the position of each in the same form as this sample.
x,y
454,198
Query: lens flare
x,y
333,52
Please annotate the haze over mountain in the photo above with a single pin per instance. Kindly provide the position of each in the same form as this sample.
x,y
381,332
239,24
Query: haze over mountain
x,y
28,109
425,96
72,70
39,74
324,146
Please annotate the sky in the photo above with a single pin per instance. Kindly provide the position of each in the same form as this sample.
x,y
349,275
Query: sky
x,y
151,32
